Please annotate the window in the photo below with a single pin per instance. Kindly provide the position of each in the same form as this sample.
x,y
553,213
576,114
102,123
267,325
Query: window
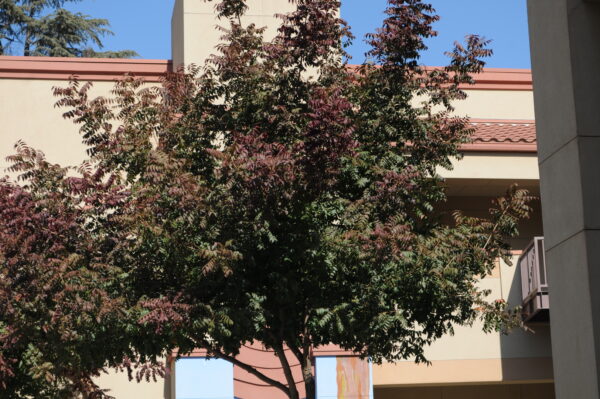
x,y
202,378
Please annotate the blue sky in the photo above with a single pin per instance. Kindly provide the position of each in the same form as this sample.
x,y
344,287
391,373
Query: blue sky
x,y
144,26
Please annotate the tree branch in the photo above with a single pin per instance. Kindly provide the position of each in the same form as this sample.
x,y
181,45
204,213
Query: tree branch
x,y
307,367
287,370
495,227
296,351
251,370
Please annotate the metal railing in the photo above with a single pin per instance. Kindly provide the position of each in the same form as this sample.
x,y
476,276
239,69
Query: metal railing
x,y
534,282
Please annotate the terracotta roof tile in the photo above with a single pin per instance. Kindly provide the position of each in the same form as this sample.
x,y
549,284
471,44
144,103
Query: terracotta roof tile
x,y
503,136
504,132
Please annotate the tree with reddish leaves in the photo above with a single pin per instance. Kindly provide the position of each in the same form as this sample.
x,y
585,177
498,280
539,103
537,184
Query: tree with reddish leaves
x,y
63,316
277,195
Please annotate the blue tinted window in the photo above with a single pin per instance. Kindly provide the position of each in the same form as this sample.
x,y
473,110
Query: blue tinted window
x,y
326,378
200,378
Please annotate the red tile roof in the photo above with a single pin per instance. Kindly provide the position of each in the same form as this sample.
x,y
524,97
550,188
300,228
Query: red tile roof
x,y
503,136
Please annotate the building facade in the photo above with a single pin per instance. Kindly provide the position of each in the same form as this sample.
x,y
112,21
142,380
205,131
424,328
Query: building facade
x,y
469,364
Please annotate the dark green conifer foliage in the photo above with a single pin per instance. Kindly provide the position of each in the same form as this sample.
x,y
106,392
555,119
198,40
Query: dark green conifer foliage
x,y
46,28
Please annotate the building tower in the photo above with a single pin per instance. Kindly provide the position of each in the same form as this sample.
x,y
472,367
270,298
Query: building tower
x,y
194,33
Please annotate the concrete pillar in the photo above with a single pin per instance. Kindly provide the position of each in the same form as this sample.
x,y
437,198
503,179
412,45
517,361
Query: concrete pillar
x,y
565,44
193,26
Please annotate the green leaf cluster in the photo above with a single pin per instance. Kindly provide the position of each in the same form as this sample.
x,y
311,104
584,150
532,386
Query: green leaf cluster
x,y
279,195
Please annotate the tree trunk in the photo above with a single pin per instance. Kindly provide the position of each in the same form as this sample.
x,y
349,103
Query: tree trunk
x,y
28,33
287,371
27,43
309,379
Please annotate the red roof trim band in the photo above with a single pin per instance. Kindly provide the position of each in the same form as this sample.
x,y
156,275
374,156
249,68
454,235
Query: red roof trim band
x,y
62,68
499,147
502,79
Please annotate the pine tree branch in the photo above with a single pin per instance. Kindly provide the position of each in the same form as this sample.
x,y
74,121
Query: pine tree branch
x,y
27,44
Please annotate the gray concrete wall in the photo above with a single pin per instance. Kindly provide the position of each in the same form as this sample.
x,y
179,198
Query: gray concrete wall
x,y
565,41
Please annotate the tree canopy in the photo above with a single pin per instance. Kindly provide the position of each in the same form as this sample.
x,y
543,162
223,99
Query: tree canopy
x,y
46,28
63,316
275,194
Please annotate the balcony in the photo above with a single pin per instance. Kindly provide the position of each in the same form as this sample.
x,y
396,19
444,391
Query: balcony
x,y
534,282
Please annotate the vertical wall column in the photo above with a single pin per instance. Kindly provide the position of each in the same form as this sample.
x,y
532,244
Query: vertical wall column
x,y
194,33
565,44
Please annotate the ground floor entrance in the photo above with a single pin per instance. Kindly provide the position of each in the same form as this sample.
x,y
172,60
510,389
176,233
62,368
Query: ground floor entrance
x,y
512,391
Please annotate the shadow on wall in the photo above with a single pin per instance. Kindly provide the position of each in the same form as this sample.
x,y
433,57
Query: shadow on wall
x,y
526,355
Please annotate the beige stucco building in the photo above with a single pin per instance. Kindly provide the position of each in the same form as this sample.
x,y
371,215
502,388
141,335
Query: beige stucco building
x,y
469,364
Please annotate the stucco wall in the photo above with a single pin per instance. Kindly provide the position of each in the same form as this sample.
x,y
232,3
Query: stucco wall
x,y
27,113
491,166
497,104
470,355
120,387
194,26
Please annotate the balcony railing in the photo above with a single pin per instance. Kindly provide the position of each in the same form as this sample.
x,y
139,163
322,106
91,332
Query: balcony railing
x,y
534,282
